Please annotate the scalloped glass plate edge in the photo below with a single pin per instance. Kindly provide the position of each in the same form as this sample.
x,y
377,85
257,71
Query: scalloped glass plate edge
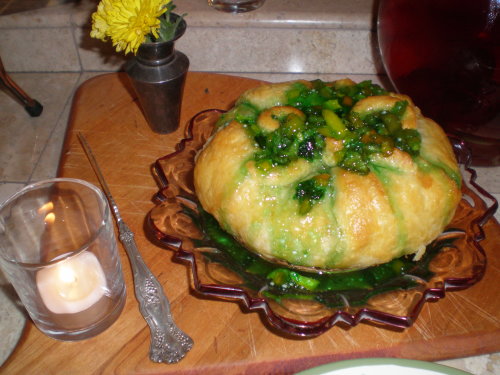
x,y
174,182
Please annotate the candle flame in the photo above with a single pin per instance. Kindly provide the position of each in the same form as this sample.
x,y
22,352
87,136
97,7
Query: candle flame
x,y
50,218
49,206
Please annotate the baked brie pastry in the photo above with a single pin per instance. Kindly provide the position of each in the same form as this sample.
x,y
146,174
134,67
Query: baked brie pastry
x,y
328,175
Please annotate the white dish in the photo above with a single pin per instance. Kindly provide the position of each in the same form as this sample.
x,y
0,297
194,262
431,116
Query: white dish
x,y
382,366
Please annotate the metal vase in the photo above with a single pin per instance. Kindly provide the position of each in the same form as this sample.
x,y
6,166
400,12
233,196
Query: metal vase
x,y
158,73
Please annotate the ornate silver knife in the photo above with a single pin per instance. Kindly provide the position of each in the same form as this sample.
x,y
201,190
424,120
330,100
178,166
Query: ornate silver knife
x,y
169,344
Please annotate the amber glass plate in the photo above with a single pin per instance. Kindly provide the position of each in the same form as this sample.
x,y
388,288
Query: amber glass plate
x,y
456,259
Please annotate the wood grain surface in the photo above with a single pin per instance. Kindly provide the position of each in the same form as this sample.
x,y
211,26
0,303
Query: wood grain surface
x,y
227,339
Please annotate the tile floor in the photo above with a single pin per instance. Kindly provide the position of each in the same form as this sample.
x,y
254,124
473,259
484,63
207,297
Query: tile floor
x,y
15,6
29,149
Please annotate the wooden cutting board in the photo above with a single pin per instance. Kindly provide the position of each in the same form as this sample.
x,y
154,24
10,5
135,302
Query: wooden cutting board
x,y
227,339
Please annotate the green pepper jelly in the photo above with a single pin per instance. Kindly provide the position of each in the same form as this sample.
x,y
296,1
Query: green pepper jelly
x,y
328,114
331,289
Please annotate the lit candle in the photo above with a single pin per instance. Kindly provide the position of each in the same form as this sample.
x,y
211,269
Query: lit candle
x,y
73,285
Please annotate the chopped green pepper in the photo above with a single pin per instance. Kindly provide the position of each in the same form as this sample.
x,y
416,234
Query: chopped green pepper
x,y
246,113
328,113
284,276
334,124
310,191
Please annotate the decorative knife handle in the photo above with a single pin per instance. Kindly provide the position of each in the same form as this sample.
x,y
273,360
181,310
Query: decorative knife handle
x,y
168,343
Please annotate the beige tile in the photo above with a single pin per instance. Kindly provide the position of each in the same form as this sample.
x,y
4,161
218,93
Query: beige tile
x,y
56,16
488,364
96,55
48,162
254,50
282,36
45,49
7,190
279,50
488,178
282,77
51,154
80,15
347,14
12,317
23,138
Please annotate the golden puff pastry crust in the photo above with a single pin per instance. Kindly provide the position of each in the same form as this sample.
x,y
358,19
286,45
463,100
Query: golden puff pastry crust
x,y
328,175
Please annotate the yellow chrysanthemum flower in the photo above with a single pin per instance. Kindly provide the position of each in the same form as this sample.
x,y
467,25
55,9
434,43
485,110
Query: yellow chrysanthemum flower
x,y
127,22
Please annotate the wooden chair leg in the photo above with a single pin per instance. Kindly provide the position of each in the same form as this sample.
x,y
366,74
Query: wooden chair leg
x,y
33,107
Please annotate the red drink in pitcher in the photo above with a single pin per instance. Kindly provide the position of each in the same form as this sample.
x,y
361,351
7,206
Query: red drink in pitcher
x,y
445,54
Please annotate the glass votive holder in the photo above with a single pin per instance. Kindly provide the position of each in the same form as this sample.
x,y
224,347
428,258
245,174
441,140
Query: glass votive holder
x,y
236,6
59,251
